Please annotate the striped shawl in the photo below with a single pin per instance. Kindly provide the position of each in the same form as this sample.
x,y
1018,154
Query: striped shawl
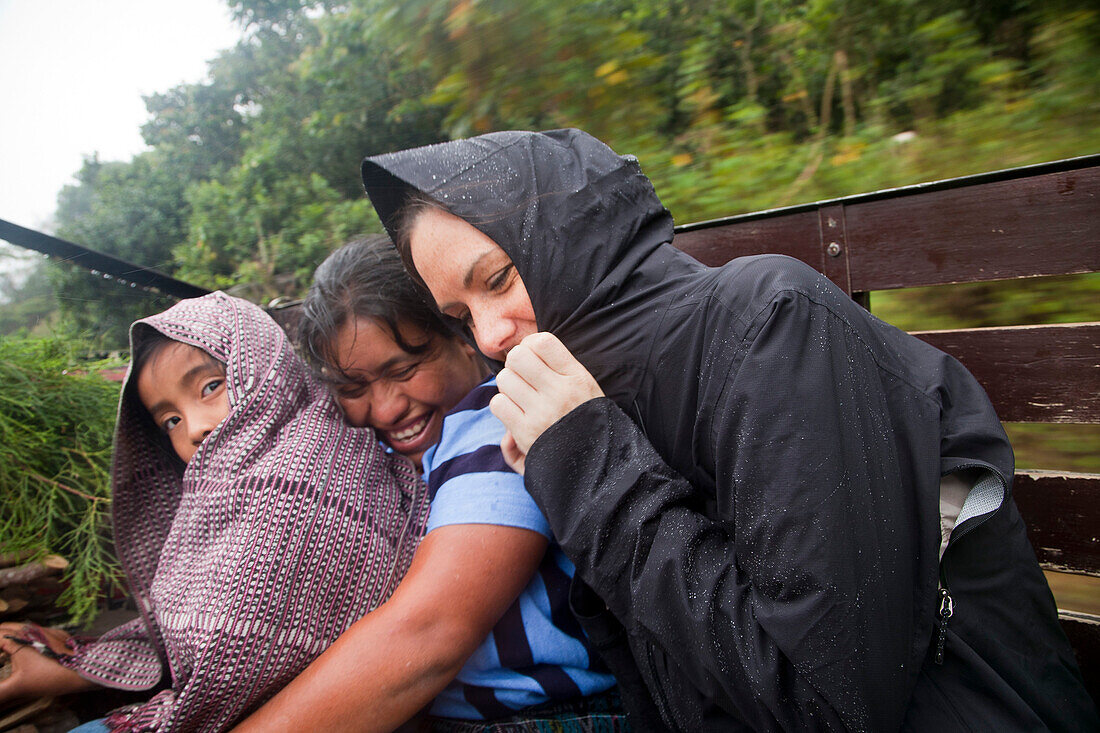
x,y
286,527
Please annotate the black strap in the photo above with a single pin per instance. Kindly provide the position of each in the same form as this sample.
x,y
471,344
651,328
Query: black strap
x,y
98,262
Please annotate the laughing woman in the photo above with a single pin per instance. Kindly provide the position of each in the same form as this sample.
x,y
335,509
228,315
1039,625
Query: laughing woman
x,y
481,621
752,472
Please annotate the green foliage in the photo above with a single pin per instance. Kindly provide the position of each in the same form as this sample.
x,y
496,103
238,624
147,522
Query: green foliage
x,y
1056,446
29,298
196,129
499,64
1067,299
273,144
1068,60
133,210
731,106
267,243
55,445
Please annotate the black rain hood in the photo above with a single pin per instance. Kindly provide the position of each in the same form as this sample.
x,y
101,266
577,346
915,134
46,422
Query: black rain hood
x,y
577,219
758,501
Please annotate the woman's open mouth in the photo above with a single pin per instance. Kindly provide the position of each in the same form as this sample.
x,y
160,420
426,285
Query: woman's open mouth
x,y
409,437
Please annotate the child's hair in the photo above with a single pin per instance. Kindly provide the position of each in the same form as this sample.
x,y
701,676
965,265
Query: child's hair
x,y
148,343
364,278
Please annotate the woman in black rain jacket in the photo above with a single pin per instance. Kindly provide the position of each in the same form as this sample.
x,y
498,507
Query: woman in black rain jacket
x,y
757,497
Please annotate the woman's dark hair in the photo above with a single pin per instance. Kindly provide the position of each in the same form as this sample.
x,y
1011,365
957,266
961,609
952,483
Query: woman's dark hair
x,y
364,278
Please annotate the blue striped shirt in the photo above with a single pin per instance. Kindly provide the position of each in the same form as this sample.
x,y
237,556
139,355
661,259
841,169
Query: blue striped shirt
x,y
537,652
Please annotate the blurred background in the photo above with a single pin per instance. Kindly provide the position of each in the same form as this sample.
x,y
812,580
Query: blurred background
x,y
250,176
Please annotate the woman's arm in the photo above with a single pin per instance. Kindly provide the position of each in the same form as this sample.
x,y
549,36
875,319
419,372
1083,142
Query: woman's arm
x,y
793,600
395,660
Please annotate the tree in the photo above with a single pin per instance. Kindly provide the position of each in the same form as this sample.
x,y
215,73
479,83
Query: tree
x,y
196,128
29,301
133,210
540,64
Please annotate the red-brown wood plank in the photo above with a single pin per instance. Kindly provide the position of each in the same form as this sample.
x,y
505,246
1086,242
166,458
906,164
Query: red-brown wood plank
x,y
833,238
797,235
287,316
1032,373
1062,514
1027,226
1044,225
1083,630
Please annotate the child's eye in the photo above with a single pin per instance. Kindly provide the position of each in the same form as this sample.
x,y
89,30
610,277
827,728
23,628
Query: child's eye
x,y
211,387
168,423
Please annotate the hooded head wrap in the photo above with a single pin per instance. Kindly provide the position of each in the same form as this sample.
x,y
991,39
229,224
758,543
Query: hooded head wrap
x,y
286,527
576,218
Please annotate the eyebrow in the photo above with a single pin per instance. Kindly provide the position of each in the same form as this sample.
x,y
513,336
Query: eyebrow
x,y
359,376
190,376
467,279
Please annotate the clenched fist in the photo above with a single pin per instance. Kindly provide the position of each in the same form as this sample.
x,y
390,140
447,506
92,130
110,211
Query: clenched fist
x,y
541,383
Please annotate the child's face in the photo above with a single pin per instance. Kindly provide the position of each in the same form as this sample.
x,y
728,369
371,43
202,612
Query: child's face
x,y
183,388
403,396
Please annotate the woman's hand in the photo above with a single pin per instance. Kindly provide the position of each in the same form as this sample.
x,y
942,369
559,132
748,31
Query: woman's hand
x,y
36,673
541,383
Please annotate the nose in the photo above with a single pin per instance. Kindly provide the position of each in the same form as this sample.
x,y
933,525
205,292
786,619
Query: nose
x,y
201,428
495,334
389,404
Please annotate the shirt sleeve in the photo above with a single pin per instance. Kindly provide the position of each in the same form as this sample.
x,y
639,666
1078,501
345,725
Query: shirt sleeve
x,y
469,481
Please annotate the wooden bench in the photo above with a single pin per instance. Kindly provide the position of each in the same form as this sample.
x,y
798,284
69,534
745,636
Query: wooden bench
x,y
1036,221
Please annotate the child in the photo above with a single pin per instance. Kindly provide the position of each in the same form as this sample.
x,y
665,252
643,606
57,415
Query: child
x,y
252,523
481,622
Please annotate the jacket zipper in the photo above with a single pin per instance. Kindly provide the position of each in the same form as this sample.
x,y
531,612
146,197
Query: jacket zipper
x,y
658,690
947,610
947,603
976,522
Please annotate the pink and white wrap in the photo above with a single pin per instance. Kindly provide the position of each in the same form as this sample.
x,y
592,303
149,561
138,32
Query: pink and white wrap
x,y
285,528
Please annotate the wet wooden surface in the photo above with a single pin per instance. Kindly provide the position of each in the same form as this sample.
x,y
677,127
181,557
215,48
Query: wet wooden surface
x,y
1032,373
976,229
1062,513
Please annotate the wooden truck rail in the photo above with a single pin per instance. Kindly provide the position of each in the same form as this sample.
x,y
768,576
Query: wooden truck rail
x,y
1036,221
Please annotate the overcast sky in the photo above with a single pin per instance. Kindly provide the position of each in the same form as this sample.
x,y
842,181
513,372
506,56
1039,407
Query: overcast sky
x,y
72,76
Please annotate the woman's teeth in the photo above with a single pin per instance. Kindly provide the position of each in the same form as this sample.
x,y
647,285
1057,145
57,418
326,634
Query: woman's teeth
x,y
412,431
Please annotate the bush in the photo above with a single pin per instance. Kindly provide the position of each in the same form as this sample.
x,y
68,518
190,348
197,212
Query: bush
x,y
56,427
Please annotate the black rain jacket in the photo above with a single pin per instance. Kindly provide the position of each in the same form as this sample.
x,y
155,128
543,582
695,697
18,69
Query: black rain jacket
x,y
756,500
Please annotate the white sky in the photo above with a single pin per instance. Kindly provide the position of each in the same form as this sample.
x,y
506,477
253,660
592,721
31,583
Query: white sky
x,y
72,76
